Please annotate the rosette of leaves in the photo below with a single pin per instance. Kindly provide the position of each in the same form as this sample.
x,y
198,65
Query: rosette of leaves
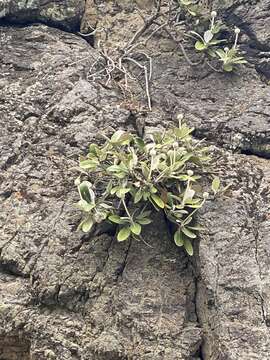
x,y
134,177
230,57
208,37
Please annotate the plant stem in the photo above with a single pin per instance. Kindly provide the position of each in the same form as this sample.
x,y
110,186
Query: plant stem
x,y
126,209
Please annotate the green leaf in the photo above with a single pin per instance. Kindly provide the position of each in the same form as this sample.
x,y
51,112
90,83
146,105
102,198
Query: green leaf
x,y
121,137
138,196
178,238
158,201
123,234
196,228
200,46
86,225
89,164
115,168
145,170
228,68
188,233
85,206
144,221
94,149
221,53
121,192
116,219
216,184
136,228
239,60
188,246
86,192
139,141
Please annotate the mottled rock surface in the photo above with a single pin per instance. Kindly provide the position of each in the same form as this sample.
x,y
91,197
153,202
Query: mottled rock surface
x,y
64,295
66,14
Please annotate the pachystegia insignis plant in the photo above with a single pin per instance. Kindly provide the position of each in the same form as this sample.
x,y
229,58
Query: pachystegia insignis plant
x,y
208,40
128,178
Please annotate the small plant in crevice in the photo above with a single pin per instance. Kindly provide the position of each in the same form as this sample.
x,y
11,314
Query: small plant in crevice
x,y
128,178
209,39
230,56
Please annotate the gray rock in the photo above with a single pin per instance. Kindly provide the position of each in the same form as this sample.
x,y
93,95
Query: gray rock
x,y
233,265
231,110
66,296
66,14
81,297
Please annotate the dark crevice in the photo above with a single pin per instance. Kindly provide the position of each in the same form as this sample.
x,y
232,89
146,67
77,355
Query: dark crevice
x,y
260,154
121,268
72,27
198,301
11,268
75,30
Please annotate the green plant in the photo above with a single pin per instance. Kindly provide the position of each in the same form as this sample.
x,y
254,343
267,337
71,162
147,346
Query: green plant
x,y
190,7
128,178
230,57
208,35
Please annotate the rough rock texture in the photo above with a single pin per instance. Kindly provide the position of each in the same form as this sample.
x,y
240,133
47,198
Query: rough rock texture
x,y
233,266
64,295
66,14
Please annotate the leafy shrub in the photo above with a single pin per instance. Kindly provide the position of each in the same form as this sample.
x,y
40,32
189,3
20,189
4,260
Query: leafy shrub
x,y
129,178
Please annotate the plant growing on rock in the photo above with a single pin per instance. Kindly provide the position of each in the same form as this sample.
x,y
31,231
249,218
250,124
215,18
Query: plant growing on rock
x,y
129,177
209,41
230,56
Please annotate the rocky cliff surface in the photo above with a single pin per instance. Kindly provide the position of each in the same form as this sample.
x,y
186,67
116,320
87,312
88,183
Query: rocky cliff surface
x,y
67,296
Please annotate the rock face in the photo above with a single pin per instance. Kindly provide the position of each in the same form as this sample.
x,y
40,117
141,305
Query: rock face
x,y
64,295
65,14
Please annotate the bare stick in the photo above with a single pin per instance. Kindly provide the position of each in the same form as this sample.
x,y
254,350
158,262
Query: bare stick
x,y
146,25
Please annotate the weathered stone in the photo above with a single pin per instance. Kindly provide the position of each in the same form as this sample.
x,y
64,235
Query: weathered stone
x,y
66,14
64,295
233,265
90,298
223,108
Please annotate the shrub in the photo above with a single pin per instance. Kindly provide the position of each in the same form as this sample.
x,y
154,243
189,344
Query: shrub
x,y
129,177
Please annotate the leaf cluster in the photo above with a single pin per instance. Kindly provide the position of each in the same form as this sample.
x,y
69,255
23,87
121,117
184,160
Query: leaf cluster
x,y
134,177
208,38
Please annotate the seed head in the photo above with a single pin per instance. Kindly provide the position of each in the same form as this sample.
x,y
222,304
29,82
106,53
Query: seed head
x,y
152,152
205,195
213,14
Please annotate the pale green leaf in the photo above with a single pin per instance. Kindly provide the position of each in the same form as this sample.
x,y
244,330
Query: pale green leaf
x,y
216,184
188,233
144,221
200,46
123,234
178,238
188,246
89,164
158,201
138,196
85,206
136,228
116,219
87,224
